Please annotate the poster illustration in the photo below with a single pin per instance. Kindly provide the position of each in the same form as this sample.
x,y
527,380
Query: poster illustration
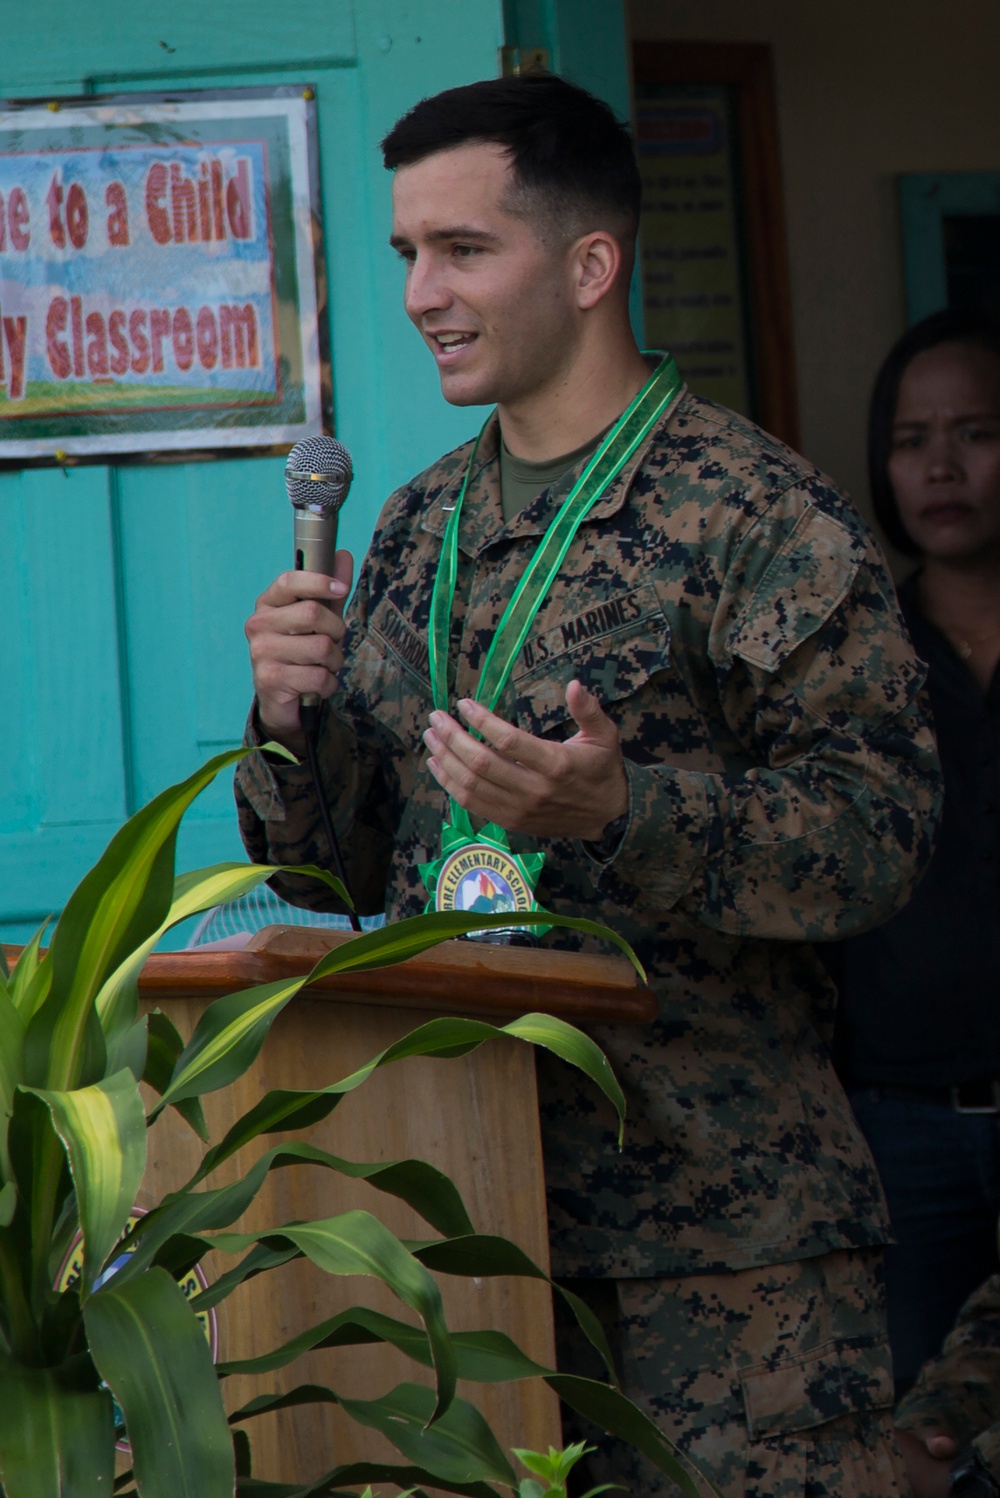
x,y
158,274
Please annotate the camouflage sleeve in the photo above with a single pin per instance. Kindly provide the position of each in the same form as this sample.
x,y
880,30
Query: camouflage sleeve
x,y
280,823
823,815
276,804
960,1389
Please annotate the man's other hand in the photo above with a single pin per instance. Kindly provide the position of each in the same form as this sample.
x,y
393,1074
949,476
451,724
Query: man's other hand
x,y
928,1451
295,634
525,784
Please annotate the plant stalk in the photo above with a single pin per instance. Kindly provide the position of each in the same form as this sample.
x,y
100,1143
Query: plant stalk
x,y
21,1325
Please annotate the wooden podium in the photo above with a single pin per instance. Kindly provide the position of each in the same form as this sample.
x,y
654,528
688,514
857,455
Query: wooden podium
x,y
475,1118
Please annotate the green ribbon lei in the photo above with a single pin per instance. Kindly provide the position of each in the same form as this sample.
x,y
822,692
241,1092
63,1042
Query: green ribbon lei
x,y
625,437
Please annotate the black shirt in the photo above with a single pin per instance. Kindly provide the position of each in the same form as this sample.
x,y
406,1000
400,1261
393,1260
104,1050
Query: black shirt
x,y
920,995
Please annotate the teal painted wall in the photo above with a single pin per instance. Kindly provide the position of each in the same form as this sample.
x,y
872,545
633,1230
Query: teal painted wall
x,y
123,590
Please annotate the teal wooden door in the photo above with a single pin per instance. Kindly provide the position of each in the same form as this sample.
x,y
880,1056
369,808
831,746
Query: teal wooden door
x,y
123,590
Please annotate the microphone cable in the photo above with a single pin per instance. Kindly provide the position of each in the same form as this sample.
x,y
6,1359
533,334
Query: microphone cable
x,y
309,714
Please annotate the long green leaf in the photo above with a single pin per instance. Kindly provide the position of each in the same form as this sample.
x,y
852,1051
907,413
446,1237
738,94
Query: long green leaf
x,y
41,1169
55,1441
490,1357
609,1409
117,1002
170,1234
486,1255
572,1045
151,1351
289,1399
103,1130
344,1481
191,1213
357,1243
165,1045
459,1447
130,1048
258,1261
11,1043
227,1040
113,910
8,1203
448,1452
421,1185
485,1356
232,1030
407,938
356,1327
25,991
285,1109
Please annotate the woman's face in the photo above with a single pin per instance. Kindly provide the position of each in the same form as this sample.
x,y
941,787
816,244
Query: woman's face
x,y
944,465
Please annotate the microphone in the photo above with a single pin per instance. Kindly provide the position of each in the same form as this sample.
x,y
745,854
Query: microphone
x,y
317,476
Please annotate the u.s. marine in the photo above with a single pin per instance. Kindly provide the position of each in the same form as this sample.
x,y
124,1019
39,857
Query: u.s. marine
x,y
734,762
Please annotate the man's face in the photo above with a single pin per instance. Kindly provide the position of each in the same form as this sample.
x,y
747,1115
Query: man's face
x,y
494,304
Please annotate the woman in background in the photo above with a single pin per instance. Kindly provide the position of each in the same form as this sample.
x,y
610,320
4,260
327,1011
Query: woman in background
x,y
919,1026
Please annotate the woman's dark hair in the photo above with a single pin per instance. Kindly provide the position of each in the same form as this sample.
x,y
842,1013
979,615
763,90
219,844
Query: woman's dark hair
x,y
570,157
953,325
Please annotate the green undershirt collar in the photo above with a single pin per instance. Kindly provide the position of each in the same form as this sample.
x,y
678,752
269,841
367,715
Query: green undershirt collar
x,y
521,482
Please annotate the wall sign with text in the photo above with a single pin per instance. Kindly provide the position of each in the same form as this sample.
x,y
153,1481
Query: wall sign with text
x,y
694,270
715,260
160,274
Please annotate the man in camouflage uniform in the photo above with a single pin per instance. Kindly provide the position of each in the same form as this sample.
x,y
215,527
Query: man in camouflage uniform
x,y
949,1422
714,733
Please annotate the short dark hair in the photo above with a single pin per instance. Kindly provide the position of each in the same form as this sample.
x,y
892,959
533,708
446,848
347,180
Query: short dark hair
x,y
571,158
952,325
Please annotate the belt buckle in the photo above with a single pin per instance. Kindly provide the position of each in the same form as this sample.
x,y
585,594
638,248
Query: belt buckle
x,y
991,1107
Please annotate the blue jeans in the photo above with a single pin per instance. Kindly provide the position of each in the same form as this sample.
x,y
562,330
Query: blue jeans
x,y
941,1174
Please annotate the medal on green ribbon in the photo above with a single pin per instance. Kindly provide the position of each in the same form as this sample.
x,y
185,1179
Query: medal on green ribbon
x,y
477,871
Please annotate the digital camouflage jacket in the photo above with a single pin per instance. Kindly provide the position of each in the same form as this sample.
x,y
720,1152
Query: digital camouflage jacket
x,y
734,617
960,1390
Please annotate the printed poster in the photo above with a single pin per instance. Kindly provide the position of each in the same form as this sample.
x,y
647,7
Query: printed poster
x,y
158,274
693,270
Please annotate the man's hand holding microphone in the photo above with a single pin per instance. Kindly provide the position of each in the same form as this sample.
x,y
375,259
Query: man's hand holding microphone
x,y
297,627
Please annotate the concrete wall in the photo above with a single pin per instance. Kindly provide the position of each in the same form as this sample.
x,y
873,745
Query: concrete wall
x,y
866,89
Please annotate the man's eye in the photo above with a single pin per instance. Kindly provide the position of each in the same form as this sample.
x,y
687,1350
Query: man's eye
x,y
407,255
464,251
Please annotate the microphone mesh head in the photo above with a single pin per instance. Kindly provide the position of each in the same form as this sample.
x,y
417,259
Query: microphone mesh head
x,y
318,474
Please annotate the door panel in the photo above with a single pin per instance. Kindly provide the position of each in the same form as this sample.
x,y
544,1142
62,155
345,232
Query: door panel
x,y
63,792
84,46
123,590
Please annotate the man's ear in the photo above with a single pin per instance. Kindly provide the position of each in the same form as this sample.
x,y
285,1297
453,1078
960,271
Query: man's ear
x,y
597,265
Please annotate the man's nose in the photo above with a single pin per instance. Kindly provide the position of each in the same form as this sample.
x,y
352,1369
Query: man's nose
x,y
426,288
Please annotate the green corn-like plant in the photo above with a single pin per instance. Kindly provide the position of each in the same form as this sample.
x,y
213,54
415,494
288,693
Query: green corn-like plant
x,y
74,1049
552,1471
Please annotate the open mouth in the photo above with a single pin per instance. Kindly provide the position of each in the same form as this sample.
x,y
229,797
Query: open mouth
x,y
451,343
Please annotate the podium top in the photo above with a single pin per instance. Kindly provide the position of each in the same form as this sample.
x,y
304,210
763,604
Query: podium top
x,y
457,977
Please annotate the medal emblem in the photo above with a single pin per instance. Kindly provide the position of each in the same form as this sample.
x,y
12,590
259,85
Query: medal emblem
x,y
480,874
